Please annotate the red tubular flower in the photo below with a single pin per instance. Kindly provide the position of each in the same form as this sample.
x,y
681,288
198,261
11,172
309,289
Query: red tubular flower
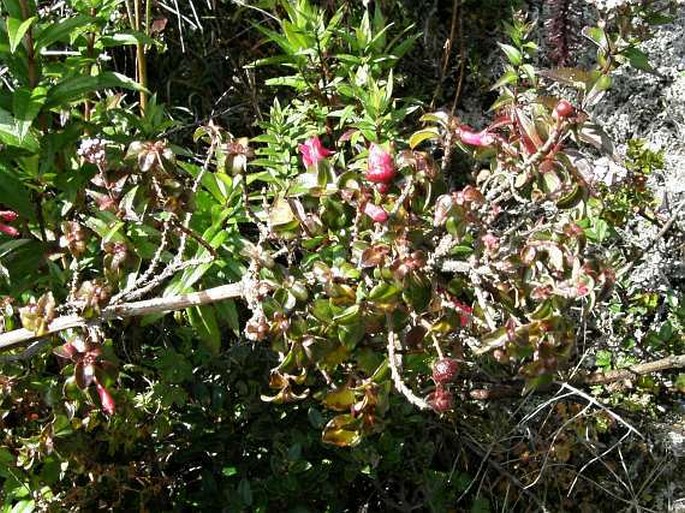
x,y
313,152
8,216
480,139
465,312
9,230
106,399
376,213
381,166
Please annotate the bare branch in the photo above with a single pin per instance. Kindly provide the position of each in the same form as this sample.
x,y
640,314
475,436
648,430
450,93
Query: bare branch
x,y
595,378
149,306
601,378
395,372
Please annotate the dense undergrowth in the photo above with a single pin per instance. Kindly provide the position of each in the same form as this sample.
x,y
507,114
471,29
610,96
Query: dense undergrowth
x,y
376,307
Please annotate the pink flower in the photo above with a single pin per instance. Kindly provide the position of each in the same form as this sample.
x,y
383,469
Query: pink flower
x,y
8,216
481,139
381,166
376,213
106,399
313,152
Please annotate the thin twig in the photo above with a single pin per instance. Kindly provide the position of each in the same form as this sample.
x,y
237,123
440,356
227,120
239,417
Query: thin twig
x,y
26,353
667,225
475,447
151,269
595,402
462,59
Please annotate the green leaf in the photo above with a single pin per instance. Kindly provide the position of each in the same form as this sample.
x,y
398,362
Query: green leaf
x,y
440,117
107,226
510,77
599,231
529,72
16,30
506,98
384,292
351,315
61,31
491,341
596,35
321,310
26,104
294,81
228,312
13,192
11,133
245,492
513,55
423,135
536,382
6,462
340,399
126,38
603,359
342,431
9,247
229,471
203,321
25,506
78,88
480,505
637,59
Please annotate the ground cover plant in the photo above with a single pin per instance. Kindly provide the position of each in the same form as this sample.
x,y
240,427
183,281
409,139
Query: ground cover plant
x,y
323,290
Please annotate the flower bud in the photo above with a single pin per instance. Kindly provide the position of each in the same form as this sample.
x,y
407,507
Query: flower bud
x,y
9,230
106,399
381,166
563,110
441,400
376,213
8,216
